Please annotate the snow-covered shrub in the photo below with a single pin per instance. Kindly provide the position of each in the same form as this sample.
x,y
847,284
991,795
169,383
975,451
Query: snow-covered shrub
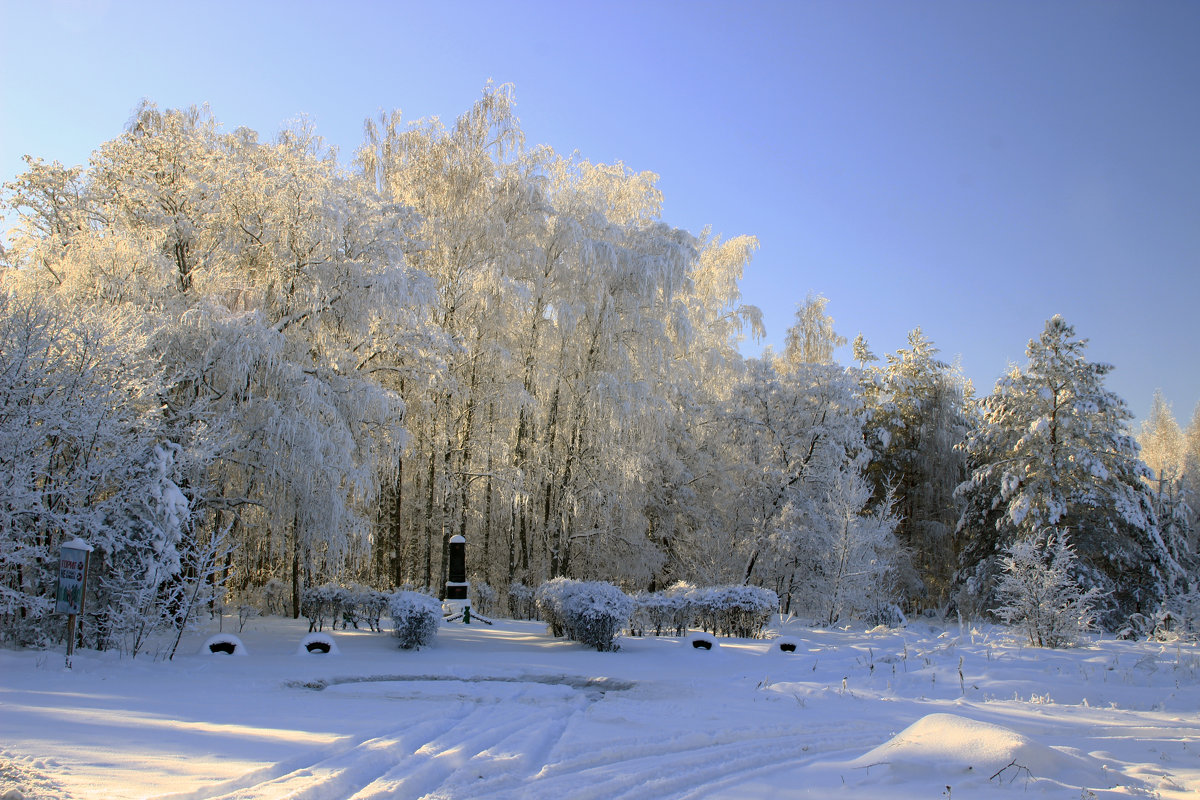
x,y
1177,619
591,613
416,618
369,605
739,611
1136,628
274,597
348,604
640,620
485,598
549,600
315,605
595,613
521,602
888,615
341,605
1040,593
662,613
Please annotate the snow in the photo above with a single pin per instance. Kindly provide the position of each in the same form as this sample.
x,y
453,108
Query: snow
x,y
506,711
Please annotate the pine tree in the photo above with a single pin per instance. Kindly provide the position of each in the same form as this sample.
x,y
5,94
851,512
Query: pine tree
x,y
1052,451
917,425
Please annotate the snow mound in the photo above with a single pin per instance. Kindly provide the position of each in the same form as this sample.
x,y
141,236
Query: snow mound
x,y
951,747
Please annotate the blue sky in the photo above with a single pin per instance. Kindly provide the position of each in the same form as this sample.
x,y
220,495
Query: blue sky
x,y
969,167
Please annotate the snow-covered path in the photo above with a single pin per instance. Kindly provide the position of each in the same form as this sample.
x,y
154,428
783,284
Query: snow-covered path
x,y
507,712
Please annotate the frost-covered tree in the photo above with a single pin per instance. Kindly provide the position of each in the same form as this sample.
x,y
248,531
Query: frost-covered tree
x,y
159,182
1052,451
1164,449
857,558
688,504
1191,476
916,426
139,559
80,439
1040,594
862,352
798,507
811,339
262,278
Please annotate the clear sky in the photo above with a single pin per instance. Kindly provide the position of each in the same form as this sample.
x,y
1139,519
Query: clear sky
x,y
968,167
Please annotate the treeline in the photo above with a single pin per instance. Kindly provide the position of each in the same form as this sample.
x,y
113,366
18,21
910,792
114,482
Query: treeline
x,y
228,362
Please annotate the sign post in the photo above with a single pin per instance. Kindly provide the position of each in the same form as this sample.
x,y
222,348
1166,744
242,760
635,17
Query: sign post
x,y
72,583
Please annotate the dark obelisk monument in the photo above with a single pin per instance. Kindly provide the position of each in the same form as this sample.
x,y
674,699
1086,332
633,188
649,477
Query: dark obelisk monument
x,y
456,585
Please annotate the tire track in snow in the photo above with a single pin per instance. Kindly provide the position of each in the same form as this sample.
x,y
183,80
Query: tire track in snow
x,y
477,758
333,774
543,748
690,765
462,746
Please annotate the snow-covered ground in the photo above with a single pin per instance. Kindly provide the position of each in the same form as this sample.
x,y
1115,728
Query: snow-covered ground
x,y
507,711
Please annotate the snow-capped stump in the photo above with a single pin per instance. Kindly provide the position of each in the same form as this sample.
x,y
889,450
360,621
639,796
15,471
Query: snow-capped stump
x,y
784,644
702,640
317,644
223,643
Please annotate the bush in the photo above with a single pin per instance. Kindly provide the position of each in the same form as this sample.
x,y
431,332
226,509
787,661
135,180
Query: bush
x,y
591,613
349,604
369,605
315,605
549,600
416,618
485,598
888,615
274,595
521,602
1040,594
596,613
738,611
662,613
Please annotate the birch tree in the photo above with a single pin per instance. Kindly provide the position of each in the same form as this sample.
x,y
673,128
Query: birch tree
x,y
1164,449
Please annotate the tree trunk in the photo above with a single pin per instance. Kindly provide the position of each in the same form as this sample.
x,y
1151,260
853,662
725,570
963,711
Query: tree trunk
x,y
295,567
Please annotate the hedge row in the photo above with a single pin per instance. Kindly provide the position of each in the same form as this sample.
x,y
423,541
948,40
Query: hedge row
x,y
348,604
739,611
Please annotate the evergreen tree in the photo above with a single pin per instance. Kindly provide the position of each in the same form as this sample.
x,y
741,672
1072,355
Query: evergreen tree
x,y
916,428
1052,452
